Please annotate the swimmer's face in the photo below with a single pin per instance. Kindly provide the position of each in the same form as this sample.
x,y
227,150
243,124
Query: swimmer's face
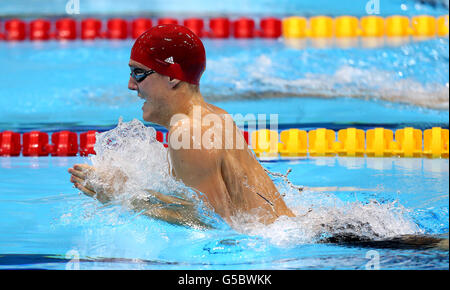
x,y
154,90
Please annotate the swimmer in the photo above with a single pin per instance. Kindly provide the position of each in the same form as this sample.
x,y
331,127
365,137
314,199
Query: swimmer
x,y
166,64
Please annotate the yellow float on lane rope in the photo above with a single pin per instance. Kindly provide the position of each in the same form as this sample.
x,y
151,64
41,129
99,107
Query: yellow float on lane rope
x,y
398,26
293,143
321,27
320,142
265,143
424,25
295,27
409,141
378,142
347,26
442,26
435,142
351,142
372,26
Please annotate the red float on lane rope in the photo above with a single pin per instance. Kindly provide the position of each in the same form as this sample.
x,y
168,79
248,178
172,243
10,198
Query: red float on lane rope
x,y
196,25
139,26
35,143
10,144
220,28
15,30
244,28
167,21
245,133
270,28
66,29
160,138
39,30
91,29
87,142
65,143
117,28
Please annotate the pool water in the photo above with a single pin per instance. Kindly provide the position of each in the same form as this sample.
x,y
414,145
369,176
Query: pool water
x,y
44,221
229,7
79,86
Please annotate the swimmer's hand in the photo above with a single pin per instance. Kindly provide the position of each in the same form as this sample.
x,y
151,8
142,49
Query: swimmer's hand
x,y
167,208
80,174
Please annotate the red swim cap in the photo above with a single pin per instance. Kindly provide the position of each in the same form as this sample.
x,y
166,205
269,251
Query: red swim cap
x,y
171,50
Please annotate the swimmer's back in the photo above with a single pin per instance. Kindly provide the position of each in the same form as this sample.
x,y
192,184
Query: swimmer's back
x,y
247,183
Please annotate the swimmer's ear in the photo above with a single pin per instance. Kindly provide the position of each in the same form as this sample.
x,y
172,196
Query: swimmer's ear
x,y
173,83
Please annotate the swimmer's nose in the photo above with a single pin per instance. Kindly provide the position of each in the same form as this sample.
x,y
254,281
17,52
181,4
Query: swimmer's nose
x,y
132,85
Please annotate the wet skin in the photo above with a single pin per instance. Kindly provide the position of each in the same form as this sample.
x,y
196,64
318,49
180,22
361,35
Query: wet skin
x,y
231,181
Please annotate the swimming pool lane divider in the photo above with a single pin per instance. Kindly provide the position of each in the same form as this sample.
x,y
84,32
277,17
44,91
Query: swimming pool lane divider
x,y
290,27
351,142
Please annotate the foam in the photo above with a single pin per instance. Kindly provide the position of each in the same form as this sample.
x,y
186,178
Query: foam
x,y
258,79
321,215
132,148
130,159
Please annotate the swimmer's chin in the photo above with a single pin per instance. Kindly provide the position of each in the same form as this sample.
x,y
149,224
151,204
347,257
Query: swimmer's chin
x,y
147,117
146,106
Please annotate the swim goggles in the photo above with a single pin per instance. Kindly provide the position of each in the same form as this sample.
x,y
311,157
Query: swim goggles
x,y
139,74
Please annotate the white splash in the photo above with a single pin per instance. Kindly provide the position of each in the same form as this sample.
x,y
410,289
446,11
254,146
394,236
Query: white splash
x,y
320,216
360,83
131,161
347,80
132,149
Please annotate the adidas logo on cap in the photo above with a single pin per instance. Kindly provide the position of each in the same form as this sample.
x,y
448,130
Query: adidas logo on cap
x,y
169,60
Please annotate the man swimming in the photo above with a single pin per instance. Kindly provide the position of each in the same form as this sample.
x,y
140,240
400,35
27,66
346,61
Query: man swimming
x,y
166,65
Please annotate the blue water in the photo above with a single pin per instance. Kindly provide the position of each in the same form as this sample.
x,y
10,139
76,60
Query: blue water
x,y
77,84
42,221
80,86
229,7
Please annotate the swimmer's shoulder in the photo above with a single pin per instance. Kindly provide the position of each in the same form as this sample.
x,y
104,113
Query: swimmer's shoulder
x,y
193,150
215,109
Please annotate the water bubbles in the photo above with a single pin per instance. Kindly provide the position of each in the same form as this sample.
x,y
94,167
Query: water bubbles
x,y
321,215
418,6
131,150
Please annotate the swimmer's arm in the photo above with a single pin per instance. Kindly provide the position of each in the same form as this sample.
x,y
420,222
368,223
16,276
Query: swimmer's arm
x,y
167,208
171,209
